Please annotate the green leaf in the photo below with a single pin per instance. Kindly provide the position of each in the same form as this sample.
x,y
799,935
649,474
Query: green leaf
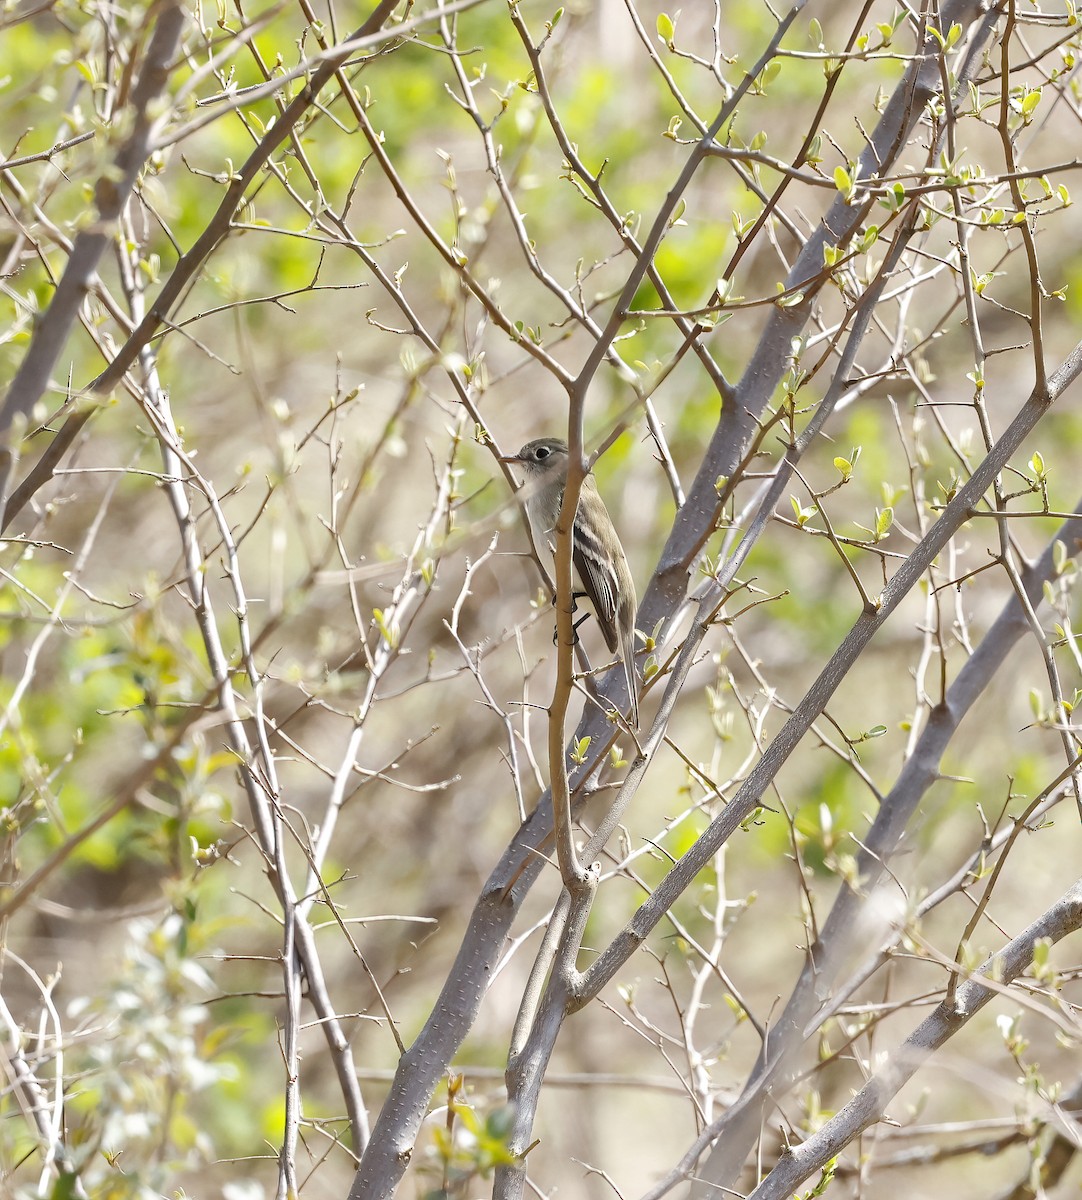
x,y
803,513
666,30
769,73
1041,950
578,755
826,1177
388,629
735,1007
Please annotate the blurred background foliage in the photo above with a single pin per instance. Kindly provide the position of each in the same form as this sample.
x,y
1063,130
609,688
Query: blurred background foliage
x,y
293,383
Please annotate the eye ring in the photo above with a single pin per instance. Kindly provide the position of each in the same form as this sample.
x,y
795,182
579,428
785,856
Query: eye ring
x,y
542,452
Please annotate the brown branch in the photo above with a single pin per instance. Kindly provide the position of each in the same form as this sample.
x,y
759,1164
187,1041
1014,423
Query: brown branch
x,y
111,193
26,392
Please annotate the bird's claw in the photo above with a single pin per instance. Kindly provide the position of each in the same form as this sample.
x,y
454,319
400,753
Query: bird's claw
x,y
574,630
575,598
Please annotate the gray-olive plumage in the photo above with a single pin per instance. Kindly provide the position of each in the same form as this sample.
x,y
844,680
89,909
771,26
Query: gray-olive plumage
x,y
596,554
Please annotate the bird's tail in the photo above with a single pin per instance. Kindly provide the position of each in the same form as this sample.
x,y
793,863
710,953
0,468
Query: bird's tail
x,y
627,654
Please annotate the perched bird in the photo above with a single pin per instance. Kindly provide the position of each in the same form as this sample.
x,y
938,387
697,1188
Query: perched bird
x,y
598,559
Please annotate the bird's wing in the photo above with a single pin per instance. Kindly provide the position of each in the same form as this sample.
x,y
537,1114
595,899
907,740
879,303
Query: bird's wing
x,y
597,575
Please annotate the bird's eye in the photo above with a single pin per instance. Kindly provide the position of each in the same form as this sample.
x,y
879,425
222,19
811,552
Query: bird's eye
x,y
542,452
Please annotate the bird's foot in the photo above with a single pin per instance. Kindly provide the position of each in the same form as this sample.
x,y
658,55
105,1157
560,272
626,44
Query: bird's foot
x,y
574,631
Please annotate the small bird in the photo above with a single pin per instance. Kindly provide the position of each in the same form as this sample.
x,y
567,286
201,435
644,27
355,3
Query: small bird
x,y
597,557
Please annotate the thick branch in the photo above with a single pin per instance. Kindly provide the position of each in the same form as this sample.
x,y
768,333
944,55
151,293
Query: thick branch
x,y
848,925
455,1011
867,625
870,1103
695,521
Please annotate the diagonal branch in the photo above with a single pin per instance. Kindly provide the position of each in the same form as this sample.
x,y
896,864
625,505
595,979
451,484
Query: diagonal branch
x,y
956,513
455,1010
735,1131
870,1103
32,378
111,193
695,521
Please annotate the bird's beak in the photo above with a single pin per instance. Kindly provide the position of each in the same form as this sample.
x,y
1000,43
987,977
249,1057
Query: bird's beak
x,y
510,458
